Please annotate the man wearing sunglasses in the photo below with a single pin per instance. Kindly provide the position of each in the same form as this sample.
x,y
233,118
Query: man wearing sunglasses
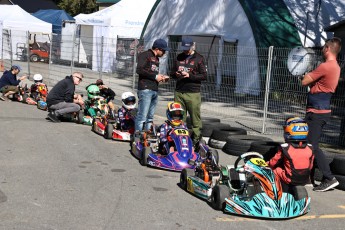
x,y
149,78
62,98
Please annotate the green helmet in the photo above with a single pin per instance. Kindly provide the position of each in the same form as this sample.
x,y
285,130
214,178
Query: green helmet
x,y
92,91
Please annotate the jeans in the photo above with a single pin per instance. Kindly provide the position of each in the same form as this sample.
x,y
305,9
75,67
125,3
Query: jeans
x,y
62,108
146,108
315,123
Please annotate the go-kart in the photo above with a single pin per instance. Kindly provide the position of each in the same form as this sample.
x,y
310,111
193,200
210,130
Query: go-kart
x,y
114,131
145,147
41,97
250,190
103,118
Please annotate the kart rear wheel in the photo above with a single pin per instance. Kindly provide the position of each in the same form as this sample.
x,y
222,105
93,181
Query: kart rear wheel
x,y
80,118
145,155
299,192
219,193
108,132
183,177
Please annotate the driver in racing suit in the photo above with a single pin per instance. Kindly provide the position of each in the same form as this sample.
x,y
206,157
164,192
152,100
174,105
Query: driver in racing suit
x,y
294,160
174,120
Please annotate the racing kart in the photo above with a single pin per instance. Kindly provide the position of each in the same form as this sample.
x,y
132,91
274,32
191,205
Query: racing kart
x,y
145,147
96,109
114,131
253,190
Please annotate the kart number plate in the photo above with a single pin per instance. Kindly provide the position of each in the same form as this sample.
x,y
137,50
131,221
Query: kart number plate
x,y
190,187
259,162
181,132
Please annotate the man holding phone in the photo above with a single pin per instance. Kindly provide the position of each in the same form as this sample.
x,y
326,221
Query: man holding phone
x,y
189,71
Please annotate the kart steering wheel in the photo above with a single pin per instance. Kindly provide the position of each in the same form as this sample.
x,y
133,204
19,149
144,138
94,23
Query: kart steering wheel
x,y
245,157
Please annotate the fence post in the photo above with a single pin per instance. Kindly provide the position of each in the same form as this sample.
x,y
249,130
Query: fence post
x,y
267,88
28,51
72,55
11,48
134,67
50,55
100,68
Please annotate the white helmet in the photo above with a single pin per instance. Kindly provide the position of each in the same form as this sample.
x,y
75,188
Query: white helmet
x,y
128,100
38,77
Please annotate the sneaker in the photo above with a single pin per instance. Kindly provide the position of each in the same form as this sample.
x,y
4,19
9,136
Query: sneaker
x,y
3,98
326,185
53,117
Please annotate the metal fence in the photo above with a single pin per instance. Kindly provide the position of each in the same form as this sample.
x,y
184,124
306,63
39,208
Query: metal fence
x,y
246,86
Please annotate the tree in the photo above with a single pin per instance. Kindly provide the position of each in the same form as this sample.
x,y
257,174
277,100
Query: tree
x,y
75,7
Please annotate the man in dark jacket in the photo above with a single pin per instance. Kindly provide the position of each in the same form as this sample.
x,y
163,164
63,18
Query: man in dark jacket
x,y
149,78
189,71
9,83
62,99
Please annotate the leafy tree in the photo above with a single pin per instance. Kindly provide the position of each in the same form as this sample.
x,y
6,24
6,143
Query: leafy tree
x,y
75,7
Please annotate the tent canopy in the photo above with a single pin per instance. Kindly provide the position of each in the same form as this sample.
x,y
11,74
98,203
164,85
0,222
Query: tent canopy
x,y
55,17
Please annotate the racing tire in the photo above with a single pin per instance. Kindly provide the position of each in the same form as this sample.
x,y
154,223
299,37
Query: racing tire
x,y
238,144
341,180
80,118
144,156
299,192
337,165
214,152
204,120
223,134
108,132
219,193
185,173
266,148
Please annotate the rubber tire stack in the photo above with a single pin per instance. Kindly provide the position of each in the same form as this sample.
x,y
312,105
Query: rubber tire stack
x,y
218,137
238,144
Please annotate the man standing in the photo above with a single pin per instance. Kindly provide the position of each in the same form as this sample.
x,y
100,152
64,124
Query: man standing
x,y
149,78
190,70
62,99
9,83
322,82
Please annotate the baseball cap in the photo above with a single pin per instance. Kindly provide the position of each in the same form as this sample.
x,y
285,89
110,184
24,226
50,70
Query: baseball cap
x,y
187,43
16,67
161,44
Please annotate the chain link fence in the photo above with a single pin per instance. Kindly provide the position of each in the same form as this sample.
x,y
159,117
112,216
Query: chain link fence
x,y
246,86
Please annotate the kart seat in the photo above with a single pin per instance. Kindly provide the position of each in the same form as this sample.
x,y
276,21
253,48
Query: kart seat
x,y
234,179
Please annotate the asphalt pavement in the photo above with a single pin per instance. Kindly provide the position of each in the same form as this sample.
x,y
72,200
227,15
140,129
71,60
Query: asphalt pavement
x,y
63,176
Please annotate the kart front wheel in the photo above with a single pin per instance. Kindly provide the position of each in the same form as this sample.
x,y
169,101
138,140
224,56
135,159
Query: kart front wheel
x,y
299,192
219,193
214,153
186,172
80,118
144,156
108,132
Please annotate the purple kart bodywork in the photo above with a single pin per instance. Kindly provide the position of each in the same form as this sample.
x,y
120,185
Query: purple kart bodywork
x,y
176,160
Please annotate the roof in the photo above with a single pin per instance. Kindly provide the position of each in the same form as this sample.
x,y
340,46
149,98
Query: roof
x,y
35,5
335,26
55,17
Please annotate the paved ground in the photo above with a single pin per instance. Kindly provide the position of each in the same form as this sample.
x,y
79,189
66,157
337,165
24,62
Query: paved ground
x,y
63,176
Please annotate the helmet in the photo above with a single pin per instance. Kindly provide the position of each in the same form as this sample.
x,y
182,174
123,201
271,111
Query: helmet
x,y
175,113
38,77
128,100
295,129
92,91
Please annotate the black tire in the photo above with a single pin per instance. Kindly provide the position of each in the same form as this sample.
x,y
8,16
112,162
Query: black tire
x,y
214,152
108,132
223,134
266,148
207,129
219,193
145,155
341,180
183,177
80,118
228,149
338,164
34,58
238,144
299,192
25,96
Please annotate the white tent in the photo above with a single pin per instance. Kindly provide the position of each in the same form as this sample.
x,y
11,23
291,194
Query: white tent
x,y
252,23
123,19
18,23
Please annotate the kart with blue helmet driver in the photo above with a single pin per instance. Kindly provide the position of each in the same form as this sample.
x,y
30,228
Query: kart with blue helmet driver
x,y
251,189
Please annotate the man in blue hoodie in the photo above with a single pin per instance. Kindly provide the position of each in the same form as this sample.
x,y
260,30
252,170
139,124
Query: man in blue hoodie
x,y
62,98
9,83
